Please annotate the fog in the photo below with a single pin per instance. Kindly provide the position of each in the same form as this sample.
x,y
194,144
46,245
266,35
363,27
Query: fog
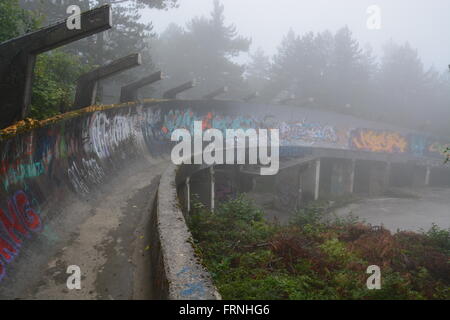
x,y
425,24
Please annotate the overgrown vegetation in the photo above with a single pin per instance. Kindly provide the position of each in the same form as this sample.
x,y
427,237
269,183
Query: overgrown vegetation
x,y
55,78
316,258
15,21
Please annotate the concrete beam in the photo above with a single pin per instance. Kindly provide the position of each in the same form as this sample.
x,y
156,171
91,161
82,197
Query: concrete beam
x,y
18,58
172,93
87,83
129,92
251,97
216,93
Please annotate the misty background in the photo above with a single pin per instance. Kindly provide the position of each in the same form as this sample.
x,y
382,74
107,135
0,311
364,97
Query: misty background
x,y
425,24
311,54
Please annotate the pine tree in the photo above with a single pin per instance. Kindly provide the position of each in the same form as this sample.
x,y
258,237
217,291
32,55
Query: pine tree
x,y
203,51
258,71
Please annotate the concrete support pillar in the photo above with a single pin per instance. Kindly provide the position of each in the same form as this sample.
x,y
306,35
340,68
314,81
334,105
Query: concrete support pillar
x,y
387,175
213,187
352,177
427,176
300,189
317,180
188,195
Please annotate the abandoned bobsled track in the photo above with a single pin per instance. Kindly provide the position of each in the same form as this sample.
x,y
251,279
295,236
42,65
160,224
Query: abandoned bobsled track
x,y
98,191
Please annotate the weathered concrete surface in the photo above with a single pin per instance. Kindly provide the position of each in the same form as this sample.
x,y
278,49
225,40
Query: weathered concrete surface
x,y
419,211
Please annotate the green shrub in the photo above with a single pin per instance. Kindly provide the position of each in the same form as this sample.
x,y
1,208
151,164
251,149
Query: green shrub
x,y
315,257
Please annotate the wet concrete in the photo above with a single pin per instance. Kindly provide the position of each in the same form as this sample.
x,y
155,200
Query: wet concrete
x,y
420,210
110,244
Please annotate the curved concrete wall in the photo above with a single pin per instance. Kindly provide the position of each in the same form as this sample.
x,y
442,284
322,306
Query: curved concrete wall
x,y
43,169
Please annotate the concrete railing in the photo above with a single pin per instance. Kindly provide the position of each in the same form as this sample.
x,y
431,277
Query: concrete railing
x,y
177,272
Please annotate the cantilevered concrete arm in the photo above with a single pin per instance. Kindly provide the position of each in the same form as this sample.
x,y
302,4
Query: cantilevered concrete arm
x,y
130,92
172,93
251,96
216,93
285,101
18,57
87,83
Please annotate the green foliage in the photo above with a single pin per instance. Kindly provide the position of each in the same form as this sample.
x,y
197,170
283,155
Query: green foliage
x,y
236,222
54,83
439,237
312,215
14,21
315,257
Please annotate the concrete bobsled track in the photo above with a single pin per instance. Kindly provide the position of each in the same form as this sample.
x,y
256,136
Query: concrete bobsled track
x,y
83,191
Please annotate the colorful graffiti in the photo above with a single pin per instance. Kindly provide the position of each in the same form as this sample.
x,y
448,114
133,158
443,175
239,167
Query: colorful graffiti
x,y
300,133
305,132
438,148
16,226
378,141
15,173
417,144
184,119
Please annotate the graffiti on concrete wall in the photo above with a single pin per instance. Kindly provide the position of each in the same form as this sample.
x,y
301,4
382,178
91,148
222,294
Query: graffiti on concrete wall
x,y
417,144
378,141
81,176
16,172
103,135
184,119
298,132
309,133
17,223
437,148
